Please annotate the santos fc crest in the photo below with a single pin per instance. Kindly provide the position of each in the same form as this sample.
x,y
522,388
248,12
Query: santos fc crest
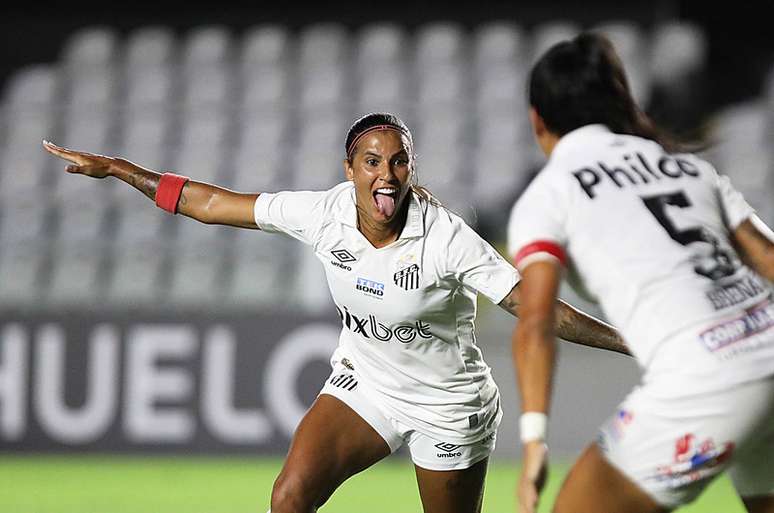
x,y
407,278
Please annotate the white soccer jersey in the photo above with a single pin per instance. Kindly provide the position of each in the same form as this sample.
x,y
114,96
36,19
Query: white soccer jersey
x,y
647,234
407,309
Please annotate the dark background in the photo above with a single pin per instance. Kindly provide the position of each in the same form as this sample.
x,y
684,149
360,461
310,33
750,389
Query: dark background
x,y
741,45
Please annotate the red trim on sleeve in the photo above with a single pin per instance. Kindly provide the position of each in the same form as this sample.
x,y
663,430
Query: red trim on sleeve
x,y
541,246
169,190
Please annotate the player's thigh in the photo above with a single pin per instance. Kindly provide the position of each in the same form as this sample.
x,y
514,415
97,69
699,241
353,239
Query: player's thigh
x,y
450,476
759,504
595,486
452,491
331,443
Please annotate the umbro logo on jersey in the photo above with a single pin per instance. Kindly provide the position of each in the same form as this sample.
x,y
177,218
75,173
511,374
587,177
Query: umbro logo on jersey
x,y
407,278
449,450
345,381
342,258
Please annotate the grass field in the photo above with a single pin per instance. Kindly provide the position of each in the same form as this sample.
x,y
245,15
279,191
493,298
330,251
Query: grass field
x,y
99,484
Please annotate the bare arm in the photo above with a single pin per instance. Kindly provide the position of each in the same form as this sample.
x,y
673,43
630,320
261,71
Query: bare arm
x,y
573,325
204,202
755,243
534,355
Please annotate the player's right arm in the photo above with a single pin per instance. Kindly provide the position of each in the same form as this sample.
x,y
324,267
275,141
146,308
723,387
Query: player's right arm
x,y
754,242
204,202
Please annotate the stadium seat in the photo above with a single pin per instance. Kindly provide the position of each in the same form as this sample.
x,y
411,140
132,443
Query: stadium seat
x,y
260,159
379,45
24,219
22,269
442,87
28,117
318,168
90,89
32,87
91,47
382,90
148,88
25,163
547,34
259,270
206,46
498,43
201,146
322,87
438,43
265,87
308,285
500,174
75,272
209,87
150,48
196,277
265,46
742,133
260,169
501,87
137,220
678,49
135,278
323,45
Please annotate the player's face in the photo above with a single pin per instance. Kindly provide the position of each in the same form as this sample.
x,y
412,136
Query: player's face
x,y
381,169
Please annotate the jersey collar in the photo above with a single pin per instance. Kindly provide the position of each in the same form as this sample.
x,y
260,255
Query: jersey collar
x,y
415,219
578,137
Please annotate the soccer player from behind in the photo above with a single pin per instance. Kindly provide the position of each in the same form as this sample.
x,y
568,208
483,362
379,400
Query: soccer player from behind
x,y
404,274
680,264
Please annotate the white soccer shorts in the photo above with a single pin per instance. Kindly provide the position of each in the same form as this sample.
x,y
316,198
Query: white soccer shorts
x,y
426,452
673,448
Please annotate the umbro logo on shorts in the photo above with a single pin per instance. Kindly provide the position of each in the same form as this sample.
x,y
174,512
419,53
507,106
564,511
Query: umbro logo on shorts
x,y
449,450
343,256
407,278
447,447
345,381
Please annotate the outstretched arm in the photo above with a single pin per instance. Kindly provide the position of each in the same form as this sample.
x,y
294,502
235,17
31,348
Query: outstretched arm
x,y
573,325
204,202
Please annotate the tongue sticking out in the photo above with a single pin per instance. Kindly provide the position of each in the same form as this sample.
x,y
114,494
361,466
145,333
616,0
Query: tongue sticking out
x,y
385,204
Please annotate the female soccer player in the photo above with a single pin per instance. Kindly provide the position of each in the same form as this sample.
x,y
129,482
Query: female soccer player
x,y
678,261
404,273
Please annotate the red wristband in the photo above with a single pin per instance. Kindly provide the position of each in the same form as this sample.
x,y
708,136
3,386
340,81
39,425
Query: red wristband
x,y
169,190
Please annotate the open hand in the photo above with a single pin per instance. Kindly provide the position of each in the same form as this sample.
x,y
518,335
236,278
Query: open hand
x,y
533,476
89,164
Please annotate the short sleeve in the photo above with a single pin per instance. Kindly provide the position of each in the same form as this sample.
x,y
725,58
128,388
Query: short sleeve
x,y
297,214
477,265
735,208
537,229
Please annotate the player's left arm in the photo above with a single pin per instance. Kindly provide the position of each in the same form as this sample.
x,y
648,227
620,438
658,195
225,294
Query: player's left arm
x,y
573,325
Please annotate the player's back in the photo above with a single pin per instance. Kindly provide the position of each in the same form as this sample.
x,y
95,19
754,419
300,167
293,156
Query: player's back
x,y
648,232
